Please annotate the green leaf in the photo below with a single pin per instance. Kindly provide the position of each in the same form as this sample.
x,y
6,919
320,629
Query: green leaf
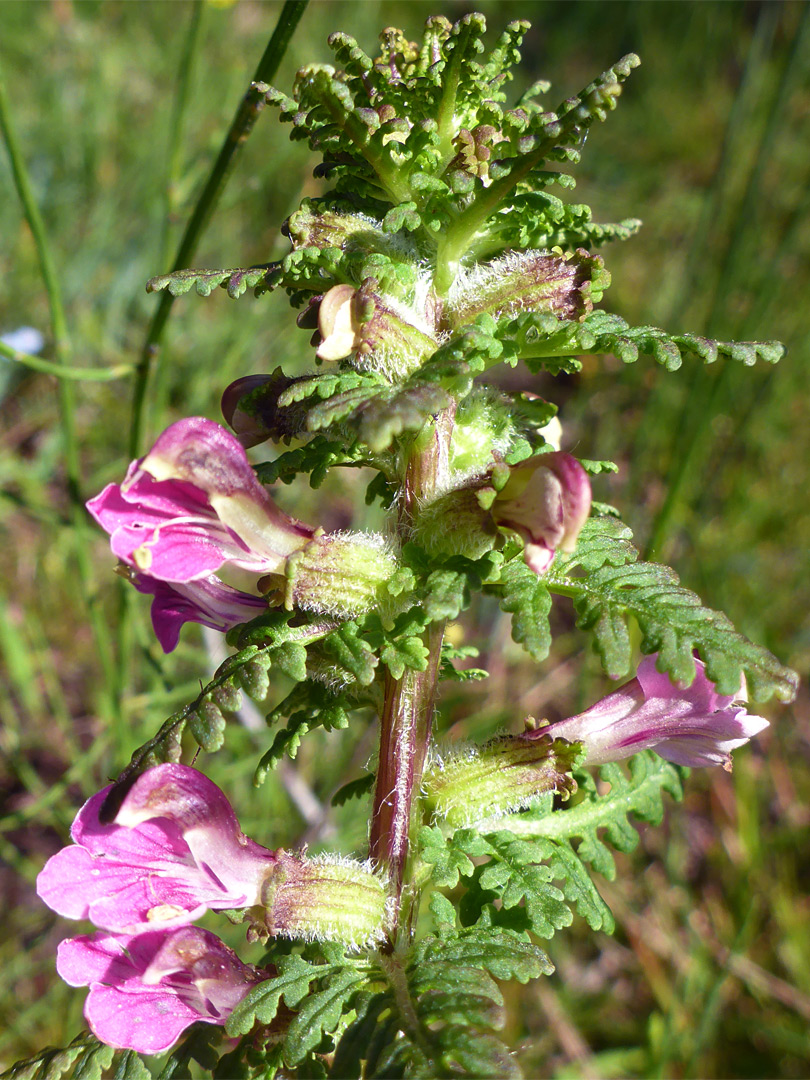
x,y
198,1045
450,856
447,595
261,1004
355,789
597,819
503,954
444,914
385,416
235,281
320,1013
130,1067
566,867
203,716
603,541
291,659
526,597
404,652
538,338
434,1009
350,653
476,1053
207,724
84,1059
286,743
673,621
248,1062
516,874
314,459
309,705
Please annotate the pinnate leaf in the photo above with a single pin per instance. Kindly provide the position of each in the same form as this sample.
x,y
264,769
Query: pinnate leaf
x,y
674,623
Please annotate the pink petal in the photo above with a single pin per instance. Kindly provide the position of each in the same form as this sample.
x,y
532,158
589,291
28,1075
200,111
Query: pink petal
x,y
150,901
702,693
208,601
142,499
154,845
205,454
146,989
181,550
183,795
209,826
149,1020
83,960
72,881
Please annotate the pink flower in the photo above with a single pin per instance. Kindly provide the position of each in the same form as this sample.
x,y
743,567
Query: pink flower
x,y
146,989
546,501
174,850
691,726
193,504
206,600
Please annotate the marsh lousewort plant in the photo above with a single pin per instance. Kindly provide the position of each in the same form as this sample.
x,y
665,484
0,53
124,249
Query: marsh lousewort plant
x,y
442,248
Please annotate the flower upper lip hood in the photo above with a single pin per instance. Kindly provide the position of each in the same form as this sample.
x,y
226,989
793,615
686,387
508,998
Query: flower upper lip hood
x,y
174,850
692,726
192,504
146,989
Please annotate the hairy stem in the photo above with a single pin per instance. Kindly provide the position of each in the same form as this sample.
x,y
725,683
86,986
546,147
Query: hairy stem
x,y
405,726
407,714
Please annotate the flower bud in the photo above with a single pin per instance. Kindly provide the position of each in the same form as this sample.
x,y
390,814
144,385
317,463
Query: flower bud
x,y
563,285
546,501
385,334
499,778
250,406
322,899
323,228
456,524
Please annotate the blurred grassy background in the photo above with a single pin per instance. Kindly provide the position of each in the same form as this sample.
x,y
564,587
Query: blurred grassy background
x,y
709,972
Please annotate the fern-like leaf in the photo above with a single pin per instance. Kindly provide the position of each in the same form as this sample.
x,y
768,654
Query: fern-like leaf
x,y
84,1059
598,819
437,1014
608,585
